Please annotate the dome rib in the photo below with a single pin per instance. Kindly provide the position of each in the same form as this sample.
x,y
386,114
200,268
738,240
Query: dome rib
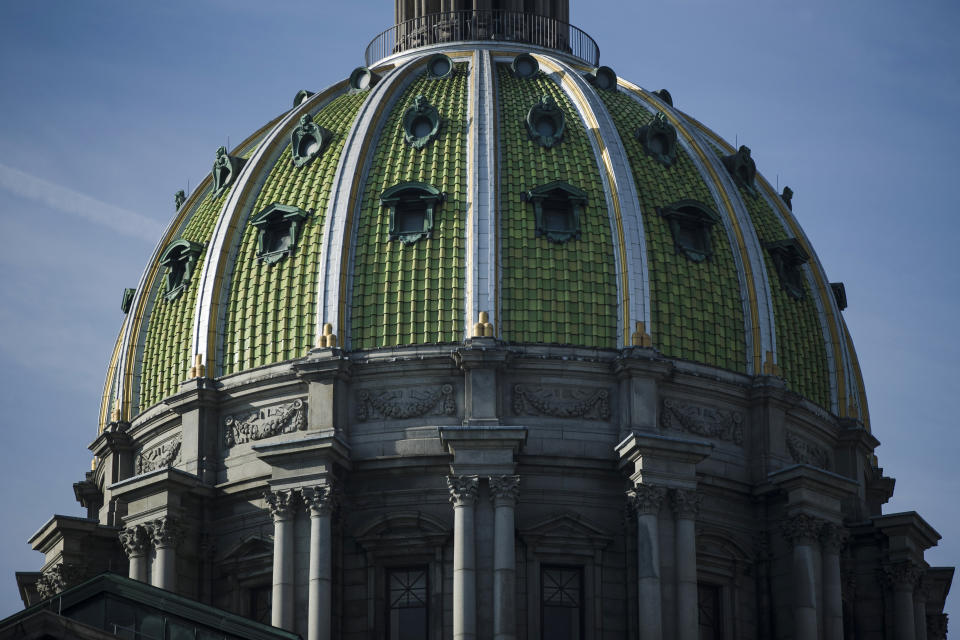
x,y
483,238
141,308
758,314
844,372
350,175
626,223
210,312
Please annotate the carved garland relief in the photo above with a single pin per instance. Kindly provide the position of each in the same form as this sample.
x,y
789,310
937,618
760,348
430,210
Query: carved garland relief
x,y
400,404
159,457
561,402
264,423
803,451
702,421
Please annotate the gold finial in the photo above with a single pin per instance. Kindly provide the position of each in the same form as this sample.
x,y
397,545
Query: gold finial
x,y
483,327
198,370
640,337
771,368
115,415
327,337
93,464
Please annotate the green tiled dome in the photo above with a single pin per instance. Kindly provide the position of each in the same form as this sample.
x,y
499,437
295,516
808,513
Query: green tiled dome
x,y
423,202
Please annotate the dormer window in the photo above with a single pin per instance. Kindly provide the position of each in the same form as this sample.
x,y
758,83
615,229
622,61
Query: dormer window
x,y
545,122
226,168
421,123
411,206
179,260
558,207
308,141
278,231
789,258
659,140
690,224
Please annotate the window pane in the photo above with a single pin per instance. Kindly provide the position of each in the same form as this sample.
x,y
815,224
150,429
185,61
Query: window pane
x,y
561,603
710,612
410,217
260,600
407,596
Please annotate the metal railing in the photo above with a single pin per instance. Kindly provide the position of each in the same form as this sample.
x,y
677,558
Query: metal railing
x,y
508,26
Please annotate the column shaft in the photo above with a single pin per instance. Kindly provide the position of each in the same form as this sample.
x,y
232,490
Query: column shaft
x,y
319,503
686,505
904,626
282,612
832,596
138,568
804,592
165,568
504,490
686,563
648,577
645,500
463,495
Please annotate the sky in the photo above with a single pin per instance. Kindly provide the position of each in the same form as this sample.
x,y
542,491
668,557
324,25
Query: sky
x,y
110,106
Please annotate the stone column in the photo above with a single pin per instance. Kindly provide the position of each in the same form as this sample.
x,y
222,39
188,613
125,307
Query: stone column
x,y
463,496
136,543
504,491
686,506
903,577
920,595
319,503
804,530
645,500
166,534
832,540
282,507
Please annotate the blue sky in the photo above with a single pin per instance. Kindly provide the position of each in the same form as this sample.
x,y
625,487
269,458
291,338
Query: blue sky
x,y
109,106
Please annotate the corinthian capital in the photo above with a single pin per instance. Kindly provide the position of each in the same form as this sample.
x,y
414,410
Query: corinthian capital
x,y
646,499
833,537
463,490
165,532
319,500
505,488
135,540
903,575
802,528
282,503
686,503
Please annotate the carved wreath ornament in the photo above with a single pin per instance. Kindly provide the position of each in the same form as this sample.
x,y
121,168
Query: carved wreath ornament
x,y
561,402
399,404
702,421
264,423
159,457
803,451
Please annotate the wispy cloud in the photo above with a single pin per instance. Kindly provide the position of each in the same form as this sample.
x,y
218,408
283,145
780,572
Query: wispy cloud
x,y
66,200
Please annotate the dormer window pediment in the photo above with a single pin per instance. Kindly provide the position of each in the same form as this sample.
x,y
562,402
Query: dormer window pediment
x,y
788,258
179,261
558,207
279,229
690,225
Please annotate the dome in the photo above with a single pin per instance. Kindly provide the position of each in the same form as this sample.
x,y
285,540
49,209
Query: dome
x,y
486,341
568,205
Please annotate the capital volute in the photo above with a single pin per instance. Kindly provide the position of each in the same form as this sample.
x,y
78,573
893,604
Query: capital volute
x,y
646,499
903,575
802,529
505,488
319,500
686,503
833,537
166,532
463,490
135,541
282,503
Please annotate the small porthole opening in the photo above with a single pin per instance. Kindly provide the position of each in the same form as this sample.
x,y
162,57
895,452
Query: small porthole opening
x,y
308,146
440,66
525,66
421,127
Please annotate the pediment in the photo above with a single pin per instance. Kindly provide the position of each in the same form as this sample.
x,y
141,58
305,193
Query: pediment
x,y
566,529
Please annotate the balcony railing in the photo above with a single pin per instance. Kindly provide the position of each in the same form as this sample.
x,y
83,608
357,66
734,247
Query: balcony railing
x,y
507,26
